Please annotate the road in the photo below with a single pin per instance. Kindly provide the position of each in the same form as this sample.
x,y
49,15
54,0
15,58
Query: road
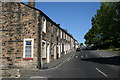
x,y
84,64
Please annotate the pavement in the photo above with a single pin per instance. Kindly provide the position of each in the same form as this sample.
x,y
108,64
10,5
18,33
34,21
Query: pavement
x,y
49,66
57,62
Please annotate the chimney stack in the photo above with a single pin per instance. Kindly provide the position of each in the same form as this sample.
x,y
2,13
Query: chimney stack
x,y
58,24
31,3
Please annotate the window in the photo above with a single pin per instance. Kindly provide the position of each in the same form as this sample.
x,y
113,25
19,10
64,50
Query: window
x,y
51,29
28,48
61,34
44,25
66,37
57,32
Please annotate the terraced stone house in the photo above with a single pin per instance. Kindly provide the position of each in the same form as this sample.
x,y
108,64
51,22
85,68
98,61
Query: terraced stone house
x,y
29,35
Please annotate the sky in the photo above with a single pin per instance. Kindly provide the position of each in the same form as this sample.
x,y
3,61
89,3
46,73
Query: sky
x,y
73,16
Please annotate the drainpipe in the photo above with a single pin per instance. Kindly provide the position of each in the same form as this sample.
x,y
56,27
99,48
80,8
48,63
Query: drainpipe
x,y
39,41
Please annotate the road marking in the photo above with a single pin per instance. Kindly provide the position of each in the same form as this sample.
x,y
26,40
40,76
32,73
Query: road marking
x,y
101,72
42,77
101,55
76,56
73,56
81,56
69,59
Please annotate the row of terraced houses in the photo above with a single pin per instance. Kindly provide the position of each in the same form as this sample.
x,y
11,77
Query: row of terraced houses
x,y
29,36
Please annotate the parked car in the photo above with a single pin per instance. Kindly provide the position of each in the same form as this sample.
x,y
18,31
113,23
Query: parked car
x,y
88,48
117,49
78,49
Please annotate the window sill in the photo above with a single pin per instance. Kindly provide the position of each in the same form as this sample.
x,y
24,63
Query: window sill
x,y
27,58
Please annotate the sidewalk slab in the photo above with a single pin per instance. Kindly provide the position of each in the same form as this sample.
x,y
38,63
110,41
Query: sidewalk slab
x,y
56,62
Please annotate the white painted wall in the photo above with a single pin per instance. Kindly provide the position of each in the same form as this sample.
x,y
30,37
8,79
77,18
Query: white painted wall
x,y
61,47
48,53
43,49
59,50
65,48
55,53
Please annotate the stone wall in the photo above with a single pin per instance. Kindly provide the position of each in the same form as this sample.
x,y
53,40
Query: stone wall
x,y
19,22
50,37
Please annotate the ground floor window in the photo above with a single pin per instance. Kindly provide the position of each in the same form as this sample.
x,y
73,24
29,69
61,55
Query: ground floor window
x,y
28,48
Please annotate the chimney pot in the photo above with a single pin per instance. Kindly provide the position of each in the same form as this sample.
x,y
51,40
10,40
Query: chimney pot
x,y
31,3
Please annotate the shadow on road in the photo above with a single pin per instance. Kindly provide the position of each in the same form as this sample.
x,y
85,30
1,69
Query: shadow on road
x,y
106,60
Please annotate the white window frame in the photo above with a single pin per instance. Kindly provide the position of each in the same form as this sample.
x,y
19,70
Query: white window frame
x,y
32,45
44,24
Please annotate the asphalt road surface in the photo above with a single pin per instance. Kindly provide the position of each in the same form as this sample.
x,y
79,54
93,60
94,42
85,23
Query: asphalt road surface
x,y
84,64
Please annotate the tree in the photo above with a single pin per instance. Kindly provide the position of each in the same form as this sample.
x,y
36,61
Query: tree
x,y
81,44
105,31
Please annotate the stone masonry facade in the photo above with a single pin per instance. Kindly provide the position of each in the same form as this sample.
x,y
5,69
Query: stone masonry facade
x,y
26,31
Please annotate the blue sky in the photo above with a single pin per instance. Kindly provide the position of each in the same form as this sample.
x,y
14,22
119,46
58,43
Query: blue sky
x,y
73,16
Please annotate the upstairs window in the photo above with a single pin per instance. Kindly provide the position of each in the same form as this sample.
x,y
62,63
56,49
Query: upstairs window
x,y
51,28
57,32
44,25
66,37
61,34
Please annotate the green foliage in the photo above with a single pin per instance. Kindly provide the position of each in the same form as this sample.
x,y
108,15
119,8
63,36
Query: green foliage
x,y
81,44
105,31
111,47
